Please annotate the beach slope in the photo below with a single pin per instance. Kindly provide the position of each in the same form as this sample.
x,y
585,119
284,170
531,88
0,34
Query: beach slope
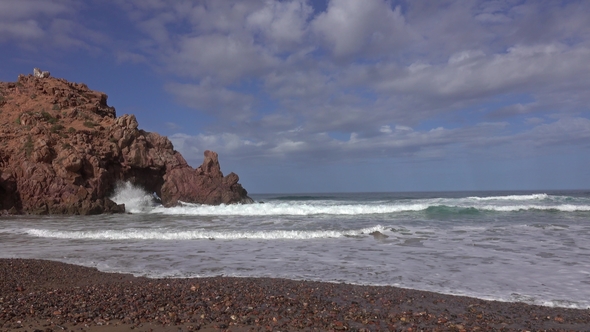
x,y
52,296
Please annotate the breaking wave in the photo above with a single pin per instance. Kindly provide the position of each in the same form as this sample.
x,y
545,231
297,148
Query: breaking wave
x,y
135,198
163,234
298,209
534,197
307,209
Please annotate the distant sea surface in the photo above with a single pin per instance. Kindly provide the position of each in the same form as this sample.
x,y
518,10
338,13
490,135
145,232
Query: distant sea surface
x,y
531,247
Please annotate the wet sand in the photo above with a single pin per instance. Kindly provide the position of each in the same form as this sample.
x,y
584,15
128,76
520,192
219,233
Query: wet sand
x,y
37,295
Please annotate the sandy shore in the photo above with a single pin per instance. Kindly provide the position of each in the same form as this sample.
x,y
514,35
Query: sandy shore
x,y
38,295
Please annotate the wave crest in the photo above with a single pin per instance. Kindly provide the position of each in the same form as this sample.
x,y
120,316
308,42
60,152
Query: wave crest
x,y
531,197
163,234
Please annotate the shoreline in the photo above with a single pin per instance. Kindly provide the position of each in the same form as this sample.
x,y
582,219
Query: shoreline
x,y
48,295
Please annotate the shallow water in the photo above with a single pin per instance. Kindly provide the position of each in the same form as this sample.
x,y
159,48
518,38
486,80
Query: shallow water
x,y
532,247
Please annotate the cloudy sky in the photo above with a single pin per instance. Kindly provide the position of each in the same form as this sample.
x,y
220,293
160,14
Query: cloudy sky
x,y
335,95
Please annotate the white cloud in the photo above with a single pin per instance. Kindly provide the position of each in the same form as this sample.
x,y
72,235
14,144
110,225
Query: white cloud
x,y
25,9
281,24
288,147
126,56
514,109
172,126
23,30
405,128
534,121
222,17
48,25
214,100
68,34
227,144
486,140
366,27
495,18
224,59
521,68
385,129
566,132
464,56
155,27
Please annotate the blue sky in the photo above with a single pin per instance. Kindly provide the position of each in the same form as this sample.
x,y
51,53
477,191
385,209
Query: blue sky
x,y
338,95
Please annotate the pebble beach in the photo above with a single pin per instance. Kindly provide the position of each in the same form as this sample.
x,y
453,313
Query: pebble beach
x,y
40,295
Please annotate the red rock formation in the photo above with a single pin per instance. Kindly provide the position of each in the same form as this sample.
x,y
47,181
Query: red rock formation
x,y
206,184
62,150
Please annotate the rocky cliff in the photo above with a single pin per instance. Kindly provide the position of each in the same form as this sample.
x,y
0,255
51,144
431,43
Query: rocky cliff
x,y
62,151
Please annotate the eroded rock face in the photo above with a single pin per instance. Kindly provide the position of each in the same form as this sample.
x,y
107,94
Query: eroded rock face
x,y
205,184
63,150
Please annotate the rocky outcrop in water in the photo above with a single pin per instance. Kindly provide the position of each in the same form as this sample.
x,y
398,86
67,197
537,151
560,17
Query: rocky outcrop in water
x,y
63,150
206,184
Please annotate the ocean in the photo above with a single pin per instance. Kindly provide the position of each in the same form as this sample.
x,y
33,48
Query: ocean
x,y
531,247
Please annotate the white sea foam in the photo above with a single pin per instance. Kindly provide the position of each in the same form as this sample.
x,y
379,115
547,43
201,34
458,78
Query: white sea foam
x,y
294,209
307,209
164,234
534,197
510,208
136,199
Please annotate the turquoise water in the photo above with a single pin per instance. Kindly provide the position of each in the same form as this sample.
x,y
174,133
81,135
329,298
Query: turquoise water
x,y
532,247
